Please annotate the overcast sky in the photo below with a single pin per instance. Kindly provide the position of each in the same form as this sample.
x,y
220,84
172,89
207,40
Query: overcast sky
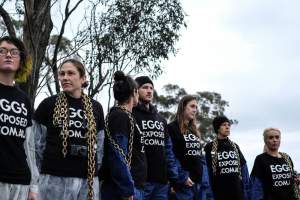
x,y
248,51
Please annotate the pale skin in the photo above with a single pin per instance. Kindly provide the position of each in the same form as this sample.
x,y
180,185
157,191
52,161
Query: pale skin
x,y
272,141
8,68
224,130
70,80
146,94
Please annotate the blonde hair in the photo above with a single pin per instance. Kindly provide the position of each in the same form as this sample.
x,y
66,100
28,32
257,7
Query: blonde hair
x,y
267,130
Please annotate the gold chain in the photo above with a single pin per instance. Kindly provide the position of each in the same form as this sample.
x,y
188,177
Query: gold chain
x,y
127,158
61,113
215,158
295,187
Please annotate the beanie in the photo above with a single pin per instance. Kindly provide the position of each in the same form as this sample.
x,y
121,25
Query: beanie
x,y
141,80
218,121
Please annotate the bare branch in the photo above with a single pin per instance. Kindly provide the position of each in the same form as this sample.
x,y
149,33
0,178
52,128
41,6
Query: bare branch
x,y
8,23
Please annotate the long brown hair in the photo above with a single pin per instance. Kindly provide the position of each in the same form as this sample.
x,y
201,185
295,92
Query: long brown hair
x,y
191,126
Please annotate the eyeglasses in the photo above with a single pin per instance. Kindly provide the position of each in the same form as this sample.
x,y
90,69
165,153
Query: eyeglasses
x,y
13,52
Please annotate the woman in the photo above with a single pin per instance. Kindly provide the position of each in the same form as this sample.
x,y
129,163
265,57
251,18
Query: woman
x,y
272,175
187,149
69,138
16,142
124,163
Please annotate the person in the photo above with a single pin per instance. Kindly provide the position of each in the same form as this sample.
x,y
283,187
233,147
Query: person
x,y
18,173
187,149
124,164
161,165
69,138
227,166
272,175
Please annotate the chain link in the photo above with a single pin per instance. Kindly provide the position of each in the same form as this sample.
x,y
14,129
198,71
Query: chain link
x,y
215,157
127,158
295,187
61,115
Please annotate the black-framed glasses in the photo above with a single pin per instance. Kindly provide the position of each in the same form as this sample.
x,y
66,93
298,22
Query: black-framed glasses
x,y
13,52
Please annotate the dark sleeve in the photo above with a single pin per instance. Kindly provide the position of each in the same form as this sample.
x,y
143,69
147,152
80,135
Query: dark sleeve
x,y
29,110
99,114
182,174
120,172
256,180
41,114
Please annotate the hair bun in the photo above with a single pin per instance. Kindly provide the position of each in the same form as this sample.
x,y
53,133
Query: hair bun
x,y
119,76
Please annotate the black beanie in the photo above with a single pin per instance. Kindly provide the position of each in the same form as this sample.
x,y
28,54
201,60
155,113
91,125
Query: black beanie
x,y
218,121
141,80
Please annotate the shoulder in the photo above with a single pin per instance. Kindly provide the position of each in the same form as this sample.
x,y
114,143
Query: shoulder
x,y
97,105
208,147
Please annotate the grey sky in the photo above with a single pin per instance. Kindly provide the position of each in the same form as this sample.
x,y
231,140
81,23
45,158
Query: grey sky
x,y
249,52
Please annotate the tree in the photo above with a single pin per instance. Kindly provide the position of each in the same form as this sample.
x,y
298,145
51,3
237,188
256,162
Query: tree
x,y
210,105
129,35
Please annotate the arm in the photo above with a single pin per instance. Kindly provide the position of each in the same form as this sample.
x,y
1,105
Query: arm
x,y
40,133
171,161
29,147
99,153
256,189
120,172
246,181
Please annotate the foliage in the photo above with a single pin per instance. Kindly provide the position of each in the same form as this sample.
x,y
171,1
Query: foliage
x,y
129,35
210,105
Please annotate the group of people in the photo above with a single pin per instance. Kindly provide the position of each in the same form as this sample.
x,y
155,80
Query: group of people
x,y
67,150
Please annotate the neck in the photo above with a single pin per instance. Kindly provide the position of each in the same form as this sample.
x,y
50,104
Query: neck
x,y
273,153
76,94
7,79
222,137
128,106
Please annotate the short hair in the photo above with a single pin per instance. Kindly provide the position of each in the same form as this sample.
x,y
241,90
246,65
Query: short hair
x,y
25,67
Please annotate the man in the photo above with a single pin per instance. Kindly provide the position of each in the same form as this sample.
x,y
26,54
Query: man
x,y
273,175
158,148
226,164
17,153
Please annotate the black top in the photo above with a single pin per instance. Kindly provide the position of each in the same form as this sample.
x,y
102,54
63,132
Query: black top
x,y
226,184
15,117
275,175
154,128
119,123
187,149
53,161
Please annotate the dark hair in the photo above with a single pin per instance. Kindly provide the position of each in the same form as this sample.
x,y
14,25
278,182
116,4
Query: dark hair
x,y
24,56
218,121
124,86
79,66
180,116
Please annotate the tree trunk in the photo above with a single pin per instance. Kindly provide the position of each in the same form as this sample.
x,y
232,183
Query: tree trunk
x,y
36,32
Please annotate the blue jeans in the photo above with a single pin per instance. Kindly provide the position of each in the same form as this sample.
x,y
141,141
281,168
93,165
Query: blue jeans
x,y
196,192
156,191
108,192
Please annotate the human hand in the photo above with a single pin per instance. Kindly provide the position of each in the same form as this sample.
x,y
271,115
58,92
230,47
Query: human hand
x,y
32,196
189,182
127,198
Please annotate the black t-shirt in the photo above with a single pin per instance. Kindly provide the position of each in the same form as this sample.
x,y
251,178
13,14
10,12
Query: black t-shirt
x,y
53,161
226,184
187,149
275,175
15,117
154,128
119,123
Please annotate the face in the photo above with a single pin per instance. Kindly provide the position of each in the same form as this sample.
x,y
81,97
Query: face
x,y
70,79
272,140
9,57
224,130
190,110
146,92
